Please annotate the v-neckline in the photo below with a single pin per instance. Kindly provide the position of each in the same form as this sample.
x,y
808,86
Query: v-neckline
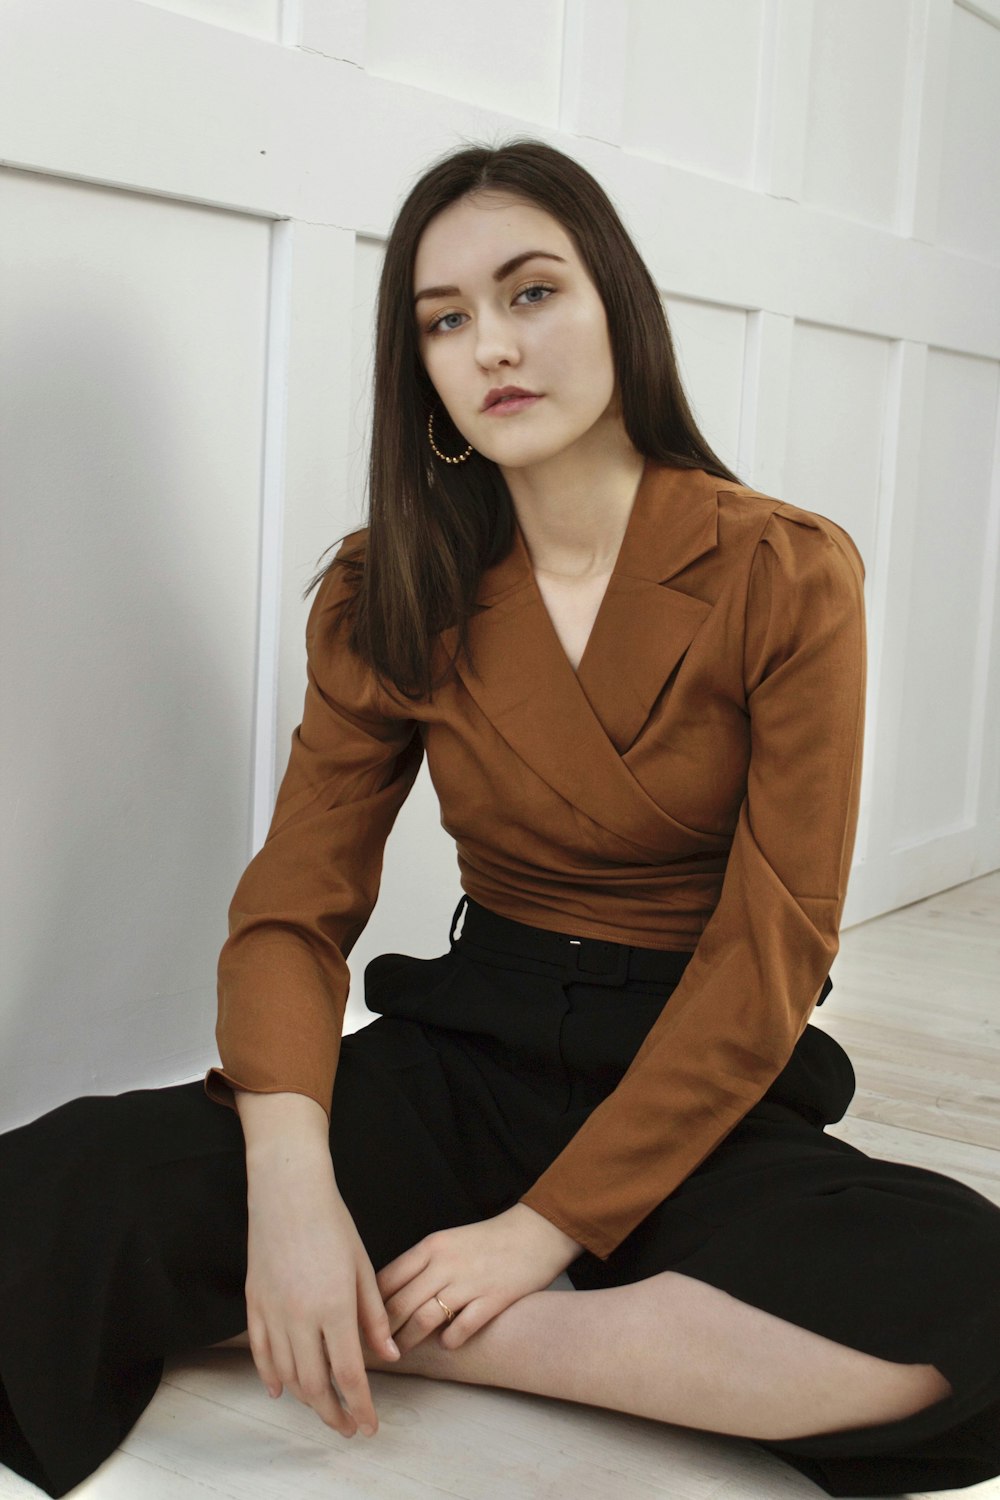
x,y
578,671
519,673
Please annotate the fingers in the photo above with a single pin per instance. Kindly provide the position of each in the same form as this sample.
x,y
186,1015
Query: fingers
x,y
464,1325
372,1315
309,1379
301,1363
410,1285
425,1319
405,1268
260,1348
348,1370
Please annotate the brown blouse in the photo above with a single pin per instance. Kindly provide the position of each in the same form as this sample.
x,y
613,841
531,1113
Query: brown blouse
x,y
693,785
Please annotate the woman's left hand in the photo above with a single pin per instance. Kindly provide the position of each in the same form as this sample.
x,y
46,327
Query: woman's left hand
x,y
477,1270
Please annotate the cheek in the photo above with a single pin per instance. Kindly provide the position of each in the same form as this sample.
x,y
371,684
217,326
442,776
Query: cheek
x,y
585,354
441,371
601,358
589,381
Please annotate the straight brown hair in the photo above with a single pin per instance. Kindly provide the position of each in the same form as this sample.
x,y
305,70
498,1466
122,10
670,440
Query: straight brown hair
x,y
433,528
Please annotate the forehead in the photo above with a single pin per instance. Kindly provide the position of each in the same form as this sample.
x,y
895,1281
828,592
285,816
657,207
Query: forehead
x,y
475,234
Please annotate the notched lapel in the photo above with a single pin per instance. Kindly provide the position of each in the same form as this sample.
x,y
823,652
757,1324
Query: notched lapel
x,y
640,635
644,627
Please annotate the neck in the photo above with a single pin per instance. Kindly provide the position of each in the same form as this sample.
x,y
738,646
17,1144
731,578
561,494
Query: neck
x,y
574,508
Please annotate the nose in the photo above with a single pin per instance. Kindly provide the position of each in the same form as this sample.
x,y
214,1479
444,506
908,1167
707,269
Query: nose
x,y
496,343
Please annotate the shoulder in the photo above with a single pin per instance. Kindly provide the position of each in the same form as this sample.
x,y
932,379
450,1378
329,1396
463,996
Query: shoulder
x,y
793,537
334,667
338,583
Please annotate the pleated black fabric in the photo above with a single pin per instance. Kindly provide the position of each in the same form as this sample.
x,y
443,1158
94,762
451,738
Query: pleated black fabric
x,y
124,1236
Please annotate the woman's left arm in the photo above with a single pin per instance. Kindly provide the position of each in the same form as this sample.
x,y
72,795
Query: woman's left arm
x,y
746,995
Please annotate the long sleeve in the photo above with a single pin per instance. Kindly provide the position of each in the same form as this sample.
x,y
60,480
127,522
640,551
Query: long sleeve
x,y
732,1022
306,896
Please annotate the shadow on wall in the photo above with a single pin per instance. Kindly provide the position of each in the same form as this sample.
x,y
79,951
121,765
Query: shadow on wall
x,y
129,603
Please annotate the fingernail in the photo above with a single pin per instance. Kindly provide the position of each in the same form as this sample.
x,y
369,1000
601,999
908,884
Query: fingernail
x,y
390,1344
368,1431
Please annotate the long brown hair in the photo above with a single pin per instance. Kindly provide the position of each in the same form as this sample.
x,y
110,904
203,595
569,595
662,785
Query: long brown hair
x,y
434,527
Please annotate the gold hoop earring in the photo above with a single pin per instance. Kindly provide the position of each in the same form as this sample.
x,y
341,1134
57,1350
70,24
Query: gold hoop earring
x,y
430,438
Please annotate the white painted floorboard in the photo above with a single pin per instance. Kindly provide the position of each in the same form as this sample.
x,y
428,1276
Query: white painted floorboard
x,y
914,1004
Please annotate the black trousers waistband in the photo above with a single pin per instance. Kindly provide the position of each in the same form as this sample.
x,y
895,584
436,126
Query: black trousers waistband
x,y
585,959
588,960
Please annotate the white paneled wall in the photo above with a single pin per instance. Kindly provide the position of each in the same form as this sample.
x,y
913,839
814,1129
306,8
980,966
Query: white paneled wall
x,y
836,416
256,17
935,794
367,269
969,216
193,207
857,90
133,349
710,342
505,57
691,83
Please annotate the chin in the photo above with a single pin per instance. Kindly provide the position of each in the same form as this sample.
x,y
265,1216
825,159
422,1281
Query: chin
x,y
522,455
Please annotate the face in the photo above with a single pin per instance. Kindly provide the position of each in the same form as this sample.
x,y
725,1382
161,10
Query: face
x,y
511,304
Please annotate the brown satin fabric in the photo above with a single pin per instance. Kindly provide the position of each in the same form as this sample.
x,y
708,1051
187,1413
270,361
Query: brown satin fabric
x,y
694,785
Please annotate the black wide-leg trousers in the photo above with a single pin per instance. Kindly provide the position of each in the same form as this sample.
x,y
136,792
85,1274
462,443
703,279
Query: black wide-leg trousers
x,y
124,1221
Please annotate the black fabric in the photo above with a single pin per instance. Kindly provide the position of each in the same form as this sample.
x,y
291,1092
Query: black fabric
x,y
566,956
124,1237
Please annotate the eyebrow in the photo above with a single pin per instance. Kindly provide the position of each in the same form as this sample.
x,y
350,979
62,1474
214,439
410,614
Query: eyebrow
x,y
500,274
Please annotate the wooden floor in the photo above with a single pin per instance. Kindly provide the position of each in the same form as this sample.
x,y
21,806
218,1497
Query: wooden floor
x,y
915,1006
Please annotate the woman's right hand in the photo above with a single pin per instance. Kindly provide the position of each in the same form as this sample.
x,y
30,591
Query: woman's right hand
x,y
310,1287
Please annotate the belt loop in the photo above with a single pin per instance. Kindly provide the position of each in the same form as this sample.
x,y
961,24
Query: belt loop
x,y
459,909
615,973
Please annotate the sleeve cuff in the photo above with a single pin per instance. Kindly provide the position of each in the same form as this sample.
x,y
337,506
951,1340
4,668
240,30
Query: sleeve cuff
x,y
222,1090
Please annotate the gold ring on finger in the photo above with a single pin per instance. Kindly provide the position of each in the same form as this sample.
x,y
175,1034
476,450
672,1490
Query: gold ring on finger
x,y
448,1312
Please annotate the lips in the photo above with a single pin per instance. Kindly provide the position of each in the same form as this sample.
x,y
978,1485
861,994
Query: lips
x,y
501,394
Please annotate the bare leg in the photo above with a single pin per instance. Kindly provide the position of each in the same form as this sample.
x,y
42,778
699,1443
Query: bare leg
x,y
678,1350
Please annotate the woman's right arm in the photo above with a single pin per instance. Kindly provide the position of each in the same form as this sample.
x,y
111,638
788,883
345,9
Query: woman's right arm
x,y
310,1286
305,897
299,908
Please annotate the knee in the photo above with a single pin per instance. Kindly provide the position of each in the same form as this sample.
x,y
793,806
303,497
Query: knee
x,y
899,1391
929,1383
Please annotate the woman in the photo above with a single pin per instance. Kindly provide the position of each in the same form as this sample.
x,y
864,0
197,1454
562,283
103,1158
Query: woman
x,y
639,686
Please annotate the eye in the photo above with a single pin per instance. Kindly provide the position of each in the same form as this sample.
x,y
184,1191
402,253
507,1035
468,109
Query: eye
x,y
536,286
436,325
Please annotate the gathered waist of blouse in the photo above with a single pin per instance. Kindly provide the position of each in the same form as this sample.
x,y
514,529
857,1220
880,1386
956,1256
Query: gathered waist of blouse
x,y
652,923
